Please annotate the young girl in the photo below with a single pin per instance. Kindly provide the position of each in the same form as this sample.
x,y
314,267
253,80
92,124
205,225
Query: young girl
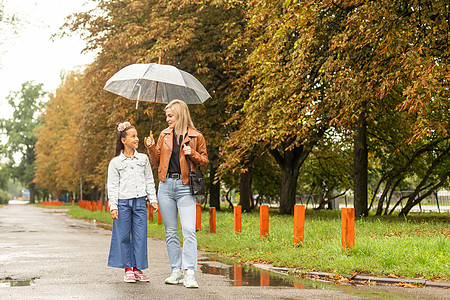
x,y
130,182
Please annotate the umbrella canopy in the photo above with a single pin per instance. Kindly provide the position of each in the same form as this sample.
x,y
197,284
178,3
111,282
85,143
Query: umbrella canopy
x,y
158,83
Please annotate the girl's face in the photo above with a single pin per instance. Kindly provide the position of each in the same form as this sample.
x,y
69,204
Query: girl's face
x,y
171,118
131,140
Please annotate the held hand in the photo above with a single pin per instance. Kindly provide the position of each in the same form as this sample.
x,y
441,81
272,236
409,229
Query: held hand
x,y
149,141
115,214
187,150
155,206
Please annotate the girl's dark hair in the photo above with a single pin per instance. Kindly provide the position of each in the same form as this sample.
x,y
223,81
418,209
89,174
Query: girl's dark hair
x,y
120,135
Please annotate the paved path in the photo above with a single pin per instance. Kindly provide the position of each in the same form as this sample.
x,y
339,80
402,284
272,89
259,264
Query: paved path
x,y
67,258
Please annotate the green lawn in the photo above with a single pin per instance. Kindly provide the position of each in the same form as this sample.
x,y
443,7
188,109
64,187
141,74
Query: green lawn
x,y
415,247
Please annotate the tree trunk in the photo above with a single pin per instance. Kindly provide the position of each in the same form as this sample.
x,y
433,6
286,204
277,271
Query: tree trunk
x,y
289,178
214,189
32,189
245,188
360,162
289,164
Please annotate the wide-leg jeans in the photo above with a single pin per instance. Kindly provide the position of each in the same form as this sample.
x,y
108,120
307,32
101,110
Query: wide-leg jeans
x,y
173,197
129,235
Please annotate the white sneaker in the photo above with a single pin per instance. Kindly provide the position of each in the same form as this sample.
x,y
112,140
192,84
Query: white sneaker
x,y
175,278
189,279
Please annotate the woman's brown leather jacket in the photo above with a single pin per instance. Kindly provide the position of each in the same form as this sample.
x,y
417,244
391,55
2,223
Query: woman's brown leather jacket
x,y
161,152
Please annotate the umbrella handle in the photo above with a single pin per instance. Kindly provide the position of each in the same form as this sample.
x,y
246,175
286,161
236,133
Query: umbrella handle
x,y
146,138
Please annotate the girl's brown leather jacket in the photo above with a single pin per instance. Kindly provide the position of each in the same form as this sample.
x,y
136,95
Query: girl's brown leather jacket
x,y
160,153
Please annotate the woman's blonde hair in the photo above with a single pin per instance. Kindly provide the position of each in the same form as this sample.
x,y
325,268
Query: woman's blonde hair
x,y
181,111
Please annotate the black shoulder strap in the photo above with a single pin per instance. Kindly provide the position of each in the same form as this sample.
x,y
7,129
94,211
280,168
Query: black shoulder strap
x,y
187,157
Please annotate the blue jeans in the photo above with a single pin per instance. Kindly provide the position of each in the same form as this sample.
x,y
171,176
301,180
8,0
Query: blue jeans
x,y
129,235
174,196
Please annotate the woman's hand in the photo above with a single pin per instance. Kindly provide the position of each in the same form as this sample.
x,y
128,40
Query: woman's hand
x,y
155,206
115,214
149,141
187,150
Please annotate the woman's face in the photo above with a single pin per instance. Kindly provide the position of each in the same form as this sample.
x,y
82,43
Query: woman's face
x,y
171,118
131,140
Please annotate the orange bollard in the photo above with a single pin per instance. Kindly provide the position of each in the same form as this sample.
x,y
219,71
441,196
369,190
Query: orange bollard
x,y
150,213
237,218
299,285
351,228
73,202
100,203
237,274
212,220
344,227
198,218
299,224
263,220
348,228
159,217
264,278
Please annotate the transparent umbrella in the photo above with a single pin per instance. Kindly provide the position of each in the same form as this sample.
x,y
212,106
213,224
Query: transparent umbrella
x,y
156,83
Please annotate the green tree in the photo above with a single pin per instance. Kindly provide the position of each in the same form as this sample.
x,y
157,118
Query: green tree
x,y
327,171
20,132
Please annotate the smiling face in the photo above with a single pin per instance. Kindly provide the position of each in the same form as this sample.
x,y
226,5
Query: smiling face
x,y
131,140
171,118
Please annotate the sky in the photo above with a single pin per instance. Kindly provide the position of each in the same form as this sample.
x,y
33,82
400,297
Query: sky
x,y
31,55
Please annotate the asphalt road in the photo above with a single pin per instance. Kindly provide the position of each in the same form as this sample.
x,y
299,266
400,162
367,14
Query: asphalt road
x,y
66,259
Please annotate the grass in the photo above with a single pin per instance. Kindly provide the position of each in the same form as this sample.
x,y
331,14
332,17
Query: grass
x,y
417,247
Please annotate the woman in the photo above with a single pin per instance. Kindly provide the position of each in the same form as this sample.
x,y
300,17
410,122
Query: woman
x,y
175,143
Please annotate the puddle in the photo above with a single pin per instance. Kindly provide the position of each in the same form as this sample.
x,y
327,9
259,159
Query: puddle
x,y
241,275
12,283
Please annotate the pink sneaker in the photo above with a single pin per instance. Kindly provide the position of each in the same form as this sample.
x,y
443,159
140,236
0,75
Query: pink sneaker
x,y
140,276
129,277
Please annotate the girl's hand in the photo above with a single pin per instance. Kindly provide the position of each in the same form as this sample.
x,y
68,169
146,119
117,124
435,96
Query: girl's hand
x,y
115,214
149,141
187,150
155,206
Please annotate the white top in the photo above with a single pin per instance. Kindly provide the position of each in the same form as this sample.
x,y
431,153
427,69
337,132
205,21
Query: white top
x,y
130,177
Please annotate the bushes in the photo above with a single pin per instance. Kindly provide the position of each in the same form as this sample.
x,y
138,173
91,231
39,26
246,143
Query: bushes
x,y
4,197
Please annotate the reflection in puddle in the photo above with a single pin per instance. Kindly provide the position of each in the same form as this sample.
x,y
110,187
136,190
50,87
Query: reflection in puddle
x,y
11,283
241,275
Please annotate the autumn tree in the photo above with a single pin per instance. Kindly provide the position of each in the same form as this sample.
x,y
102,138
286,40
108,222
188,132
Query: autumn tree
x,y
288,108
20,132
58,148
390,51
126,32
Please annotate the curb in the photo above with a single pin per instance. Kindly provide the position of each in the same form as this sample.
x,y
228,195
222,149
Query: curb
x,y
381,280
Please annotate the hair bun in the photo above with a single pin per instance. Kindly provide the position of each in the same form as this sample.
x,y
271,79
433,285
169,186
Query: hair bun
x,y
122,126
